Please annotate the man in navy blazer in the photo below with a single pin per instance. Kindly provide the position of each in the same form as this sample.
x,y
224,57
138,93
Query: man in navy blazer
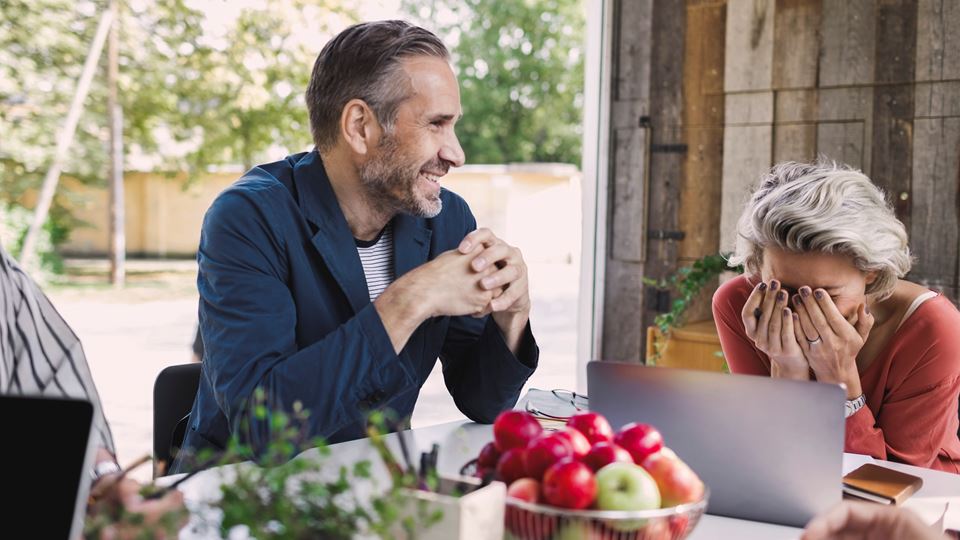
x,y
335,278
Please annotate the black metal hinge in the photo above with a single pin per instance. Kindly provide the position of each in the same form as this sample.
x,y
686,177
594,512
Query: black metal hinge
x,y
666,235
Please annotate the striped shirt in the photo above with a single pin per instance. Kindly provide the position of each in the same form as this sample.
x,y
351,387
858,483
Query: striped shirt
x,y
39,354
377,259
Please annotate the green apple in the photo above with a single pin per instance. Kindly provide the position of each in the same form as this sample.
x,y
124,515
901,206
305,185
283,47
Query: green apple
x,y
626,486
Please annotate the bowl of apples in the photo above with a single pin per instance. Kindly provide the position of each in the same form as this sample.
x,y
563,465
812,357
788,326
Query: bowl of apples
x,y
586,481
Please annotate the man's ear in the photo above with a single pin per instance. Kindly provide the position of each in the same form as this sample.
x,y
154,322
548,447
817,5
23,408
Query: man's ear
x,y
359,126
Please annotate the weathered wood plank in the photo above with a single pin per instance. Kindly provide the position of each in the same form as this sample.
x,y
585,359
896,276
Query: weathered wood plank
x,y
935,99
795,106
701,192
626,114
848,34
748,64
747,153
842,142
893,110
703,116
854,103
627,229
623,338
796,43
935,234
666,113
634,22
794,142
749,108
938,51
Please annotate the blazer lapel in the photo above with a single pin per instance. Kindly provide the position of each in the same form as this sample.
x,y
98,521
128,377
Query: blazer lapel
x,y
333,239
411,243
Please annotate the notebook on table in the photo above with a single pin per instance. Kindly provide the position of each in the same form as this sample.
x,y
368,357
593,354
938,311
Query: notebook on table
x,y
47,451
880,484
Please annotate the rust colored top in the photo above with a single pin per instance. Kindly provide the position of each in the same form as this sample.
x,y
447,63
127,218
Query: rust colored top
x,y
911,387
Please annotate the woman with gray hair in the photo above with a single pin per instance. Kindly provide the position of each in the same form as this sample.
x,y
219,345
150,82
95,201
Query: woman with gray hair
x,y
823,299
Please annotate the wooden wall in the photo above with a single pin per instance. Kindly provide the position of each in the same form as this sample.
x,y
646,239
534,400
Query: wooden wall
x,y
710,93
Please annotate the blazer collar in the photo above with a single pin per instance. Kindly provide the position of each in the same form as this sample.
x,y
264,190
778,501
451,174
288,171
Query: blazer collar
x,y
334,241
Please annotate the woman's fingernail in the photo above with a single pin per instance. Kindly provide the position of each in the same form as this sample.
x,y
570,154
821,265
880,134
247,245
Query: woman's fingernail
x,y
763,286
796,299
786,312
804,291
782,296
773,285
818,294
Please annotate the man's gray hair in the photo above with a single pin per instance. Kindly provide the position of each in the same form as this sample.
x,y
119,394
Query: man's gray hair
x,y
363,62
827,208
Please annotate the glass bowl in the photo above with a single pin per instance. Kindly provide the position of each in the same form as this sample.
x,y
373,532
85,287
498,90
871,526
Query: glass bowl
x,y
528,521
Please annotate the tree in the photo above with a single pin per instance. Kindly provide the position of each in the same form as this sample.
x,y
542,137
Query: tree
x,y
520,66
190,100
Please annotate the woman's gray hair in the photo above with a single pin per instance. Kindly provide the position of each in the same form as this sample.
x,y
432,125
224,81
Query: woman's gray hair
x,y
827,208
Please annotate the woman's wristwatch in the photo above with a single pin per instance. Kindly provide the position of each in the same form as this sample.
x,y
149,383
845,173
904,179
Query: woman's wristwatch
x,y
854,405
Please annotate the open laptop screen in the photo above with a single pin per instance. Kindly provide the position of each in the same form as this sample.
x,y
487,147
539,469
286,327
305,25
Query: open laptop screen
x,y
45,452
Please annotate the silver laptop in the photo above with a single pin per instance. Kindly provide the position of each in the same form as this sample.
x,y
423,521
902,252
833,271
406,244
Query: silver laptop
x,y
47,450
769,449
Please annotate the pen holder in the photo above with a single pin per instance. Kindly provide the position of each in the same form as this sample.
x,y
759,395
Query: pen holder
x,y
463,508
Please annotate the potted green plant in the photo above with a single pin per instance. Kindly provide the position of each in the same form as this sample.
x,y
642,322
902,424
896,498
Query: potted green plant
x,y
687,283
288,495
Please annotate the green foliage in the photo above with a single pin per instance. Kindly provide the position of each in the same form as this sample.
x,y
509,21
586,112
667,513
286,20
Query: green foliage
x,y
687,282
191,99
520,67
286,496
14,222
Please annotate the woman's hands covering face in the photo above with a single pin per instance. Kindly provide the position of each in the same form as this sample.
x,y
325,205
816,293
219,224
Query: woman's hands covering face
x,y
814,335
775,330
830,342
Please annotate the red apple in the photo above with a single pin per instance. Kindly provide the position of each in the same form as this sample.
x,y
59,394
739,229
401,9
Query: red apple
x,y
604,453
640,440
483,472
593,426
677,482
489,456
525,489
515,429
544,451
569,484
577,441
511,466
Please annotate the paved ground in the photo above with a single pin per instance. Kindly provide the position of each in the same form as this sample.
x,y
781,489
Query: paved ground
x,y
130,335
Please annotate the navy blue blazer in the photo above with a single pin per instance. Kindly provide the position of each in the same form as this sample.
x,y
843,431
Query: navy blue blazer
x,y
284,307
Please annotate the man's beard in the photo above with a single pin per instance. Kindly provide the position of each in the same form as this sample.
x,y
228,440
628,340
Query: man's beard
x,y
389,181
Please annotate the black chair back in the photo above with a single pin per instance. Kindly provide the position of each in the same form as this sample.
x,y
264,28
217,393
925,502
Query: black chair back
x,y
173,394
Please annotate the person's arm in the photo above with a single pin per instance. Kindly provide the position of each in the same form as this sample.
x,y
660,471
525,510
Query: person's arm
x,y
910,427
249,322
868,520
924,378
482,374
40,336
738,350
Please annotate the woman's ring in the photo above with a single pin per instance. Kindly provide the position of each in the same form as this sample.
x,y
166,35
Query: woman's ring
x,y
814,341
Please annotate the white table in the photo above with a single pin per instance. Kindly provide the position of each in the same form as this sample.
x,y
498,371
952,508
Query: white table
x,y
461,441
